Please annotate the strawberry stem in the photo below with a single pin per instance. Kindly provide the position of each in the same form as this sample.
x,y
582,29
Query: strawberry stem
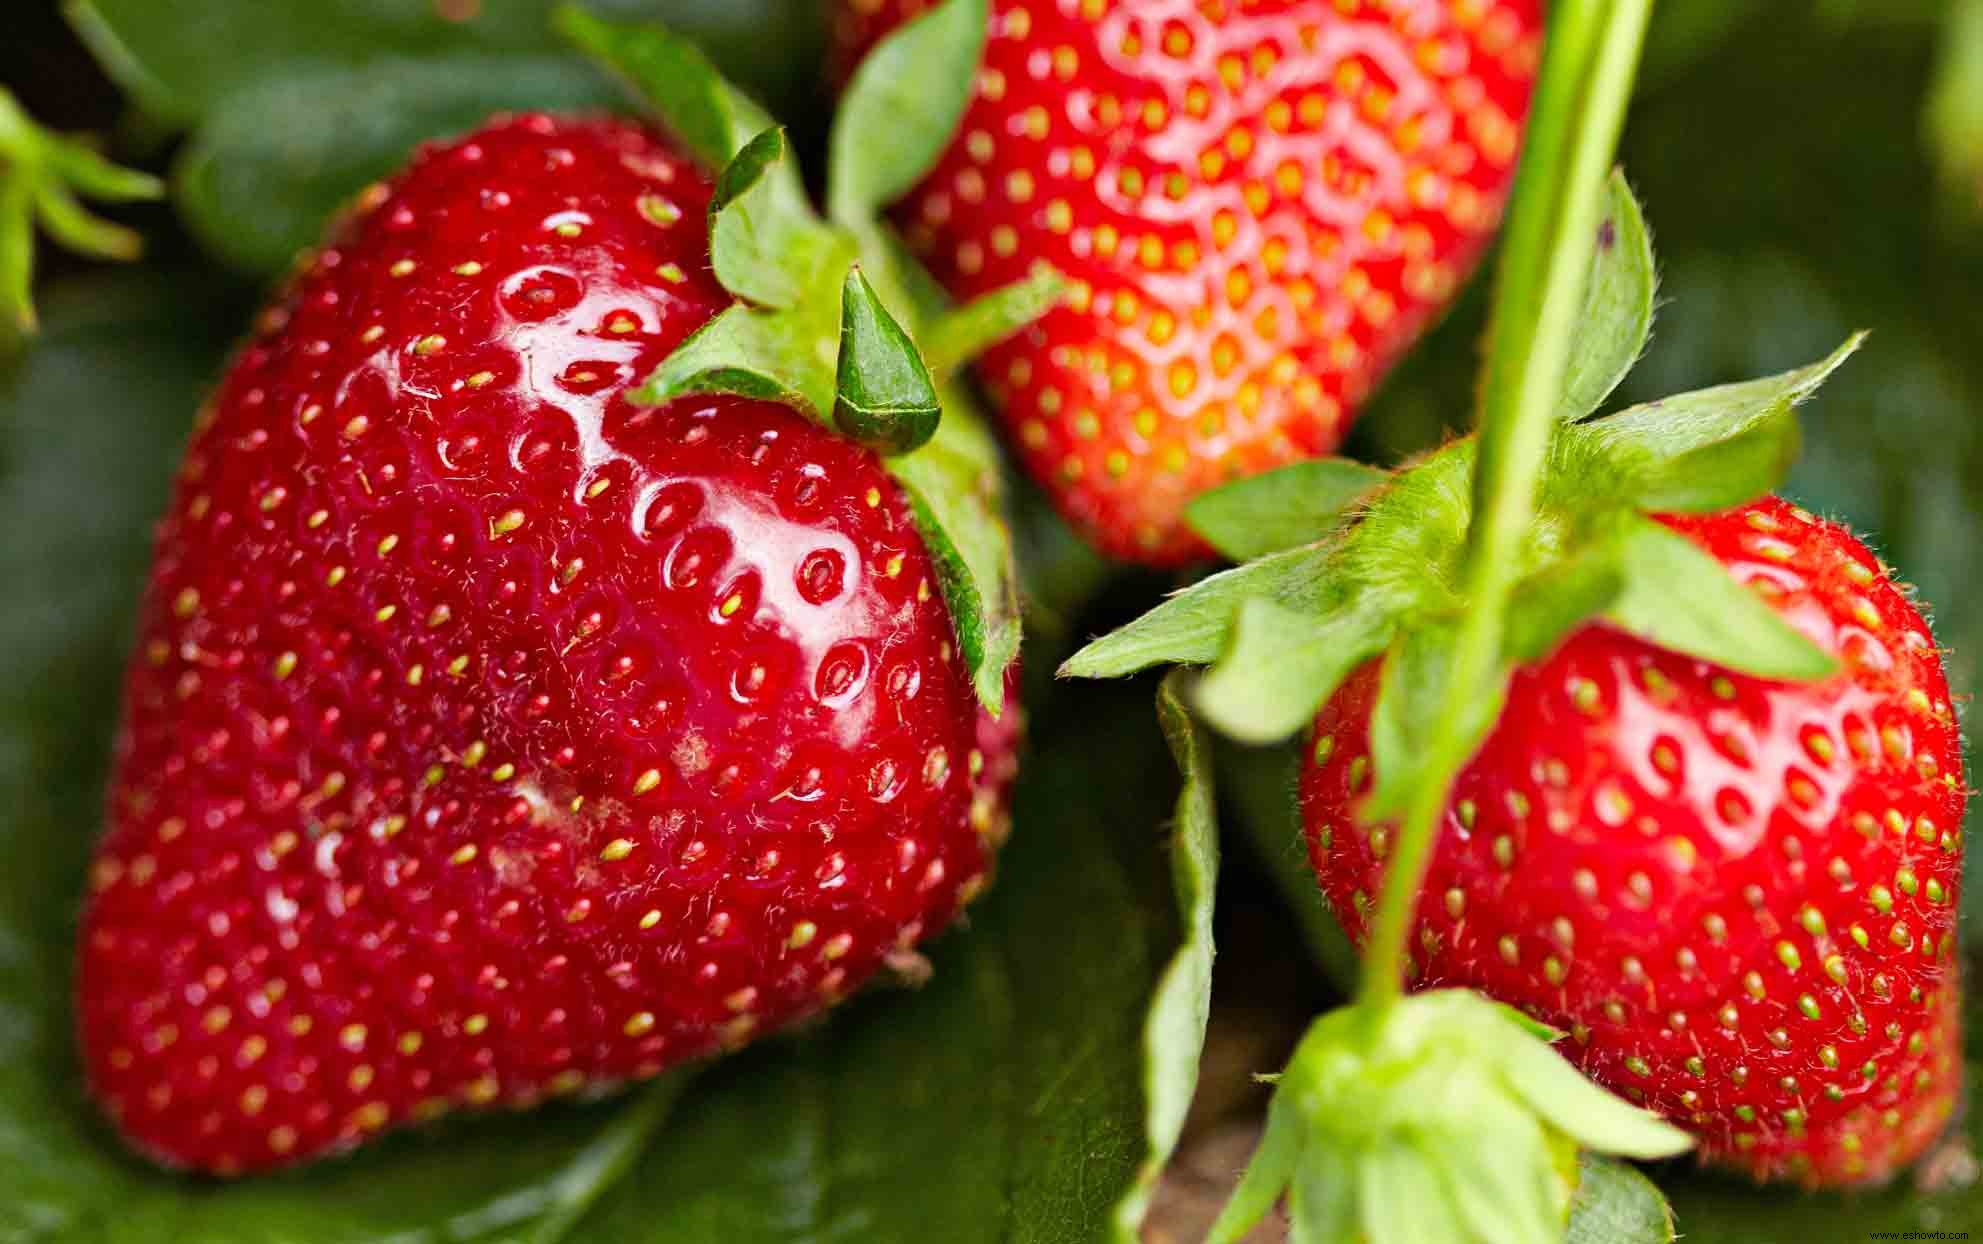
x,y
1589,63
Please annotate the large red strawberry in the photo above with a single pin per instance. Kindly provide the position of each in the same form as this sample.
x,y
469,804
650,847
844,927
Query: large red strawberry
x,y
1261,204
1737,895
491,737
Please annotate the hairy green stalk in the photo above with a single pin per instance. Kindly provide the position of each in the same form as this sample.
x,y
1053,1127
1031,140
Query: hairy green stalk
x,y
1578,111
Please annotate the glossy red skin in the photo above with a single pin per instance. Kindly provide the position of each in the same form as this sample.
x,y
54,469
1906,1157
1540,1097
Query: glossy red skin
x,y
1331,201
1745,805
664,743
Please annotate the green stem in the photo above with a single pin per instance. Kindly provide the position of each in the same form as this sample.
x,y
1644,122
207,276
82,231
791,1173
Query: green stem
x,y
1578,110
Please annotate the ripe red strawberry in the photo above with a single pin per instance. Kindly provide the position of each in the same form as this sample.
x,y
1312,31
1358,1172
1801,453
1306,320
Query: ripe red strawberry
x,y
1738,896
1261,203
489,737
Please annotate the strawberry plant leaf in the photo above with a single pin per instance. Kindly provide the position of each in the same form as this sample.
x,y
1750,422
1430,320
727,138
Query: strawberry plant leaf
x,y
904,103
958,335
885,399
299,147
1955,104
181,67
295,107
674,77
1280,667
1618,305
1680,597
1174,1032
1284,508
1025,1091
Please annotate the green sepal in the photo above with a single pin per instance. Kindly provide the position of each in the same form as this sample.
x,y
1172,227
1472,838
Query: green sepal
x,y
1284,508
45,177
958,495
1194,626
1616,1204
959,335
746,249
1443,1099
1679,597
751,353
901,108
1281,666
1708,450
885,399
1618,305
1404,743
1550,603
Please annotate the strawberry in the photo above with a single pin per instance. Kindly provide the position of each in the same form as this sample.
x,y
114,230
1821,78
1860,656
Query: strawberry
x,y
1260,203
1738,895
490,736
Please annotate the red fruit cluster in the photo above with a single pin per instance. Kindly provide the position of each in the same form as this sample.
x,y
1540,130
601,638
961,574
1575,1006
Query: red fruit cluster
x,y
1737,896
1260,203
489,737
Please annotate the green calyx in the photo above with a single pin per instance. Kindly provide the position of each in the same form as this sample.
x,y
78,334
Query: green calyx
x,y
832,318
1352,564
44,178
1442,1118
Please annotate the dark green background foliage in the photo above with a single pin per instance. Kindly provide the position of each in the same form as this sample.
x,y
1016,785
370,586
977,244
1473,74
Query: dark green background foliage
x,y
1776,145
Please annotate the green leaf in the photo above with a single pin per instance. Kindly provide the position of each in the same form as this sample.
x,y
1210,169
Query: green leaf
x,y
1617,1205
886,399
901,108
671,75
1407,737
1954,116
1677,595
181,63
294,107
1174,1032
1281,666
958,493
1194,626
1284,508
959,335
1705,450
300,146
1618,305
1022,1093
747,247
